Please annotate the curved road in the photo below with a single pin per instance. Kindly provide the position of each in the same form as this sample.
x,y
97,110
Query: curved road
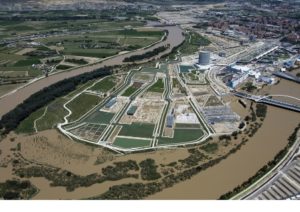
x,y
9,102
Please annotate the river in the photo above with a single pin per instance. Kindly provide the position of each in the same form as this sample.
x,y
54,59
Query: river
x,y
238,167
9,102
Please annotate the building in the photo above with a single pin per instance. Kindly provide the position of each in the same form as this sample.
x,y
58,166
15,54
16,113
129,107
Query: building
x,y
237,79
111,102
204,58
267,80
131,111
238,69
170,121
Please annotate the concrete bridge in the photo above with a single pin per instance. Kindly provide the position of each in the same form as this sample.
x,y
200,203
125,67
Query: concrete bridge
x,y
287,76
267,100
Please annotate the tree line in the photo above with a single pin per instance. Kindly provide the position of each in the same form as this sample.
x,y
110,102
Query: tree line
x,y
12,119
146,55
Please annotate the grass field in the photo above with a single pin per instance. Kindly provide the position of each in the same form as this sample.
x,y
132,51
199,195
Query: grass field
x,y
182,136
157,87
137,130
131,143
129,91
99,117
81,105
27,126
104,85
210,147
63,67
192,43
54,115
179,125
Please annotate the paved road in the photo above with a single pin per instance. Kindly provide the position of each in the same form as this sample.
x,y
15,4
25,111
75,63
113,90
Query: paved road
x,y
9,102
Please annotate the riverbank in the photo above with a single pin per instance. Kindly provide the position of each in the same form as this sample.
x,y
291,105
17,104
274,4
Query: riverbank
x,y
237,168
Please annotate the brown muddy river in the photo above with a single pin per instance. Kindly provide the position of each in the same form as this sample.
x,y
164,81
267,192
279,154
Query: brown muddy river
x,y
7,103
237,168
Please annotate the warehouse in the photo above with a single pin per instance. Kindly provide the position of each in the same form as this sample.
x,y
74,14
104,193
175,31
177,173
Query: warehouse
x,y
131,111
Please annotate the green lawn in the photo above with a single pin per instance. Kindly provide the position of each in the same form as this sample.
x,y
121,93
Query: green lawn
x,y
54,115
157,87
137,130
81,105
182,136
27,62
129,91
131,143
104,85
63,67
179,125
26,126
100,117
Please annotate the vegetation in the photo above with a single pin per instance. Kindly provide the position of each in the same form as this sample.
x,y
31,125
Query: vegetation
x,y
129,91
137,130
15,189
158,86
261,110
11,120
26,126
210,147
249,87
104,85
72,181
131,143
146,55
63,67
149,170
81,105
77,61
182,136
192,43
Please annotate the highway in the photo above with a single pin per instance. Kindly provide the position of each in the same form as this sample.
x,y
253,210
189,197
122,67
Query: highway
x,y
9,102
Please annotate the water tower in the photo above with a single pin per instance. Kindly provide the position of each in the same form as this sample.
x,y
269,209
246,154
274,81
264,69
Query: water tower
x,y
204,58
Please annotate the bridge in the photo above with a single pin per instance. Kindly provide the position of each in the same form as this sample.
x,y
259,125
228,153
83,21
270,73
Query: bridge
x,y
287,76
267,100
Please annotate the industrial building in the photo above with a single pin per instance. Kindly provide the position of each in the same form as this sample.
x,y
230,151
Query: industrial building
x,y
170,121
238,69
204,58
237,79
111,102
131,111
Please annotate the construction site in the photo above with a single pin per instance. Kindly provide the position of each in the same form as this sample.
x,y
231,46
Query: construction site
x,y
166,106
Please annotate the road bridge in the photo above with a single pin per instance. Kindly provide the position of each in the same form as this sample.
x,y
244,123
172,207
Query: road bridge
x,y
267,100
287,76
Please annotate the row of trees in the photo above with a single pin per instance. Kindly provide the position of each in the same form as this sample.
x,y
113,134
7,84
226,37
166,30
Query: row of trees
x,y
11,120
146,55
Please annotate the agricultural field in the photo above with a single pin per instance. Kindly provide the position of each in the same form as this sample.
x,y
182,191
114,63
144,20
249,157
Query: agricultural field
x,y
137,130
82,104
99,117
157,87
39,44
127,143
105,85
182,136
